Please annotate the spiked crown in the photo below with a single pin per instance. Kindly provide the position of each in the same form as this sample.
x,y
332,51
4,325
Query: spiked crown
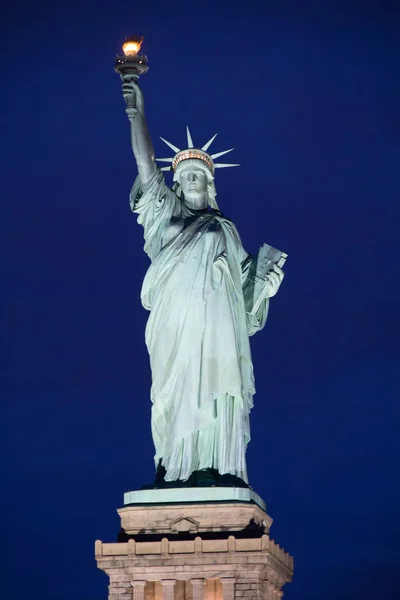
x,y
194,153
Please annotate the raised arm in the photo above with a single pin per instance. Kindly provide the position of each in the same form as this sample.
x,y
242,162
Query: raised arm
x,y
142,145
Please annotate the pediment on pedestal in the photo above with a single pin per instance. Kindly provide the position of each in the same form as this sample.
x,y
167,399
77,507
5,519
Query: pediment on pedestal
x,y
185,524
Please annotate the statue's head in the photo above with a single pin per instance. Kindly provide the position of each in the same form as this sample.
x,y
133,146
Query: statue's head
x,y
196,183
194,172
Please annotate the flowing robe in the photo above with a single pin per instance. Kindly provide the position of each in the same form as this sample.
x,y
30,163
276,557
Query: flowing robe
x,y
197,333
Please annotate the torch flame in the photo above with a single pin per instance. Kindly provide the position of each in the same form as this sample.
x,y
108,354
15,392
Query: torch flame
x,y
131,48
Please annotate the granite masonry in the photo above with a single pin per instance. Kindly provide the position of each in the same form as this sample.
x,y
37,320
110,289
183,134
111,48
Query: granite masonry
x,y
194,551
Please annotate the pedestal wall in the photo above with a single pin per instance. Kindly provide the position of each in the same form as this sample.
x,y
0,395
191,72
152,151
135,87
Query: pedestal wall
x,y
223,567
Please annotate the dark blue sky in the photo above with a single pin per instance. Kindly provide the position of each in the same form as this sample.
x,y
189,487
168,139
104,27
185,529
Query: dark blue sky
x,y
308,94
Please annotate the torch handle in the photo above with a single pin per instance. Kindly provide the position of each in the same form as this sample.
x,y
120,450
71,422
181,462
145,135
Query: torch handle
x,y
128,91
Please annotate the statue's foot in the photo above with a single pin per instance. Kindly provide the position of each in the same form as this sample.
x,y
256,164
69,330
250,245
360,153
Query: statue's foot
x,y
205,478
229,480
202,478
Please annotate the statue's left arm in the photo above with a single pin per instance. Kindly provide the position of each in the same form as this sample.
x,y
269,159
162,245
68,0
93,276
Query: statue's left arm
x,y
257,293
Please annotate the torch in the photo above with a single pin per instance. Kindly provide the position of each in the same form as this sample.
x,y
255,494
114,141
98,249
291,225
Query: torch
x,y
130,65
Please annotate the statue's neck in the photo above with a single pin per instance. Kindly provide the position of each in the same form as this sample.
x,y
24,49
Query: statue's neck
x,y
198,203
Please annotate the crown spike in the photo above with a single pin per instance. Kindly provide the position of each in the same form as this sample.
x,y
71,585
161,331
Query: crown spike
x,y
221,153
164,160
174,148
165,168
189,138
221,165
208,144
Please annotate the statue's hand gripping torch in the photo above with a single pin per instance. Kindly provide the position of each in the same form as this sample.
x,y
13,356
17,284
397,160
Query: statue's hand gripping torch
x,y
130,65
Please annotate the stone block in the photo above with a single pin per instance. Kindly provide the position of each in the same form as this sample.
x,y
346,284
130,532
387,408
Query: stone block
x,y
215,546
181,547
148,548
115,549
117,585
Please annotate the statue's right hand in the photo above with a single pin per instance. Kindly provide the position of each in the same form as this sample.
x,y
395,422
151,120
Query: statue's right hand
x,y
132,93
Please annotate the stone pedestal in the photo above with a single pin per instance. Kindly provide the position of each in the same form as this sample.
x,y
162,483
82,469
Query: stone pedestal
x,y
192,550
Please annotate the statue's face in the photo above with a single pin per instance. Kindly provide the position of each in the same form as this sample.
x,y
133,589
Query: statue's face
x,y
193,181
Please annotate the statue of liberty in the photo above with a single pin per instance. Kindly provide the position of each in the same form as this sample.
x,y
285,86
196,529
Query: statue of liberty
x,y
206,297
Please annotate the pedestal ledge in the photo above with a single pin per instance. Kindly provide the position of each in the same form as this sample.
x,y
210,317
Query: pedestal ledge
x,y
245,561
192,516
193,494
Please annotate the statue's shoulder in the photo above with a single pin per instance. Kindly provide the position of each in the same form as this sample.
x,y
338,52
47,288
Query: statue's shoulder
x,y
223,218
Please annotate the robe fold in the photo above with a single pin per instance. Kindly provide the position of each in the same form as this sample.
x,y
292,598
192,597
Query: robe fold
x,y
197,333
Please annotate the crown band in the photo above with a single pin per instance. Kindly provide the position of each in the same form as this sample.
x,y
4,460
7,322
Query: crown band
x,y
193,154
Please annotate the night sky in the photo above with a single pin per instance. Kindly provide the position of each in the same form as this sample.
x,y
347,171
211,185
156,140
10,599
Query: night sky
x,y
308,94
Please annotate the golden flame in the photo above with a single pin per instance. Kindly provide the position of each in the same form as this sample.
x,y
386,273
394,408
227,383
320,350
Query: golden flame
x,y
131,48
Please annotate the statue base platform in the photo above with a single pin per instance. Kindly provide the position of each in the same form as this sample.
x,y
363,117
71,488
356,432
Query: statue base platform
x,y
194,545
193,494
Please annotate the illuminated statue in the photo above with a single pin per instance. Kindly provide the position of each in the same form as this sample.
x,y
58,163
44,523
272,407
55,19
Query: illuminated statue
x,y
206,296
